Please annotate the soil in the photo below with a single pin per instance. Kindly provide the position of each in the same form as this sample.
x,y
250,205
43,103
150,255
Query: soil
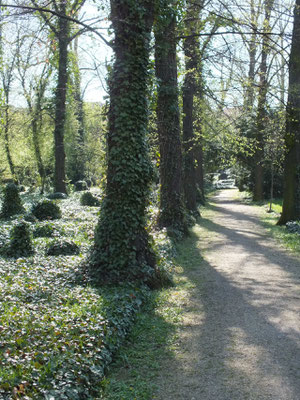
x,y
240,334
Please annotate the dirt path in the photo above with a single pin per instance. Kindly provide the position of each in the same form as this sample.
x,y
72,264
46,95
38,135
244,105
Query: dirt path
x,y
240,337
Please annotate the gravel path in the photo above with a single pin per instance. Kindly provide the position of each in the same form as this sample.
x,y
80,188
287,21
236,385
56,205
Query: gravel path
x,y
240,337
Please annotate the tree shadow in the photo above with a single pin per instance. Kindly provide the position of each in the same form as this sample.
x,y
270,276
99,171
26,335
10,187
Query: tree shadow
x,y
242,338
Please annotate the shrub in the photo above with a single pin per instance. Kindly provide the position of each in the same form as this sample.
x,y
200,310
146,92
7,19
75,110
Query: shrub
x,y
20,244
80,186
11,201
87,199
43,231
62,248
46,209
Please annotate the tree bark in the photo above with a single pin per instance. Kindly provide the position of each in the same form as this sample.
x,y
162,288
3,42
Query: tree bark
x,y
252,50
291,194
121,250
168,122
78,172
191,50
258,193
60,104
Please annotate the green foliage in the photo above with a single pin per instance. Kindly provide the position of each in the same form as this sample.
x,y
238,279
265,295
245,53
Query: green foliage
x,y
30,217
121,251
150,345
58,333
62,247
11,201
43,230
46,209
87,199
22,148
288,239
20,244
80,186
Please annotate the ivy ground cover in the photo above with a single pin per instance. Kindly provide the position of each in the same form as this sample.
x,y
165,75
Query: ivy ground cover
x,y
58,332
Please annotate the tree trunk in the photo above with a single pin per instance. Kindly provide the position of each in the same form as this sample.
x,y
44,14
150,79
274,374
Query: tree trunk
x,y
36,146
198,148
168,124
199,171
258,193
191,50
79,172
6,144
121,250
60,106
291,194
250,88
272,188
7,78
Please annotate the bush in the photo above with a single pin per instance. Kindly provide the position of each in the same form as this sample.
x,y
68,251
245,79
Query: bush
x,y
43,231
11,201
46,209
87,199
20,240
57,196
80,186
62,248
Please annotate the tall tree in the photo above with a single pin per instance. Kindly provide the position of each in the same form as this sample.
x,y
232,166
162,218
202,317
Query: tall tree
x,y
262,105
171,213
291,196
251,46
63,35
7,78
191,55
78,164
121,250
34,88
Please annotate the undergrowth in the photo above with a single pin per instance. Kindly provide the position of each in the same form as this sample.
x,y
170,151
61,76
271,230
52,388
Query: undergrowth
x,y
151,345
58,331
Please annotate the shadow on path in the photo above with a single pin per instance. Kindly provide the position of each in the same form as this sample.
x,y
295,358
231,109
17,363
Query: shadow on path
x,y
240,338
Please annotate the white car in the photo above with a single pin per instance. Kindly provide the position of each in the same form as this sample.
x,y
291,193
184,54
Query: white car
x,y
226,184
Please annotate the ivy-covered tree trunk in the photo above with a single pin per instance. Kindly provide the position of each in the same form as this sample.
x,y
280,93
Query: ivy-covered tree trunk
x,y
258,193
291,194
191,50
121,249
171,213
60,102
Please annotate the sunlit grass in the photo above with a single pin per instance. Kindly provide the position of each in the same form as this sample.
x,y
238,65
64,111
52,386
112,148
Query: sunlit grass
x,y
288,240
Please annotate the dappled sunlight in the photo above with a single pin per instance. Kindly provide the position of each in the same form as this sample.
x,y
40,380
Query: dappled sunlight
x,y
239,338
248,361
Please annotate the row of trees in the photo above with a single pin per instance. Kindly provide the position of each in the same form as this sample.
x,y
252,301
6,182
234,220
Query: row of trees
x,y
222,111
